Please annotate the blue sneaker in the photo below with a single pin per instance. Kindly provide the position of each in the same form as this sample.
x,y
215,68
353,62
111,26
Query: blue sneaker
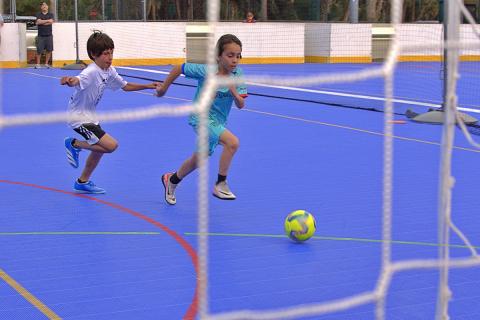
x,y
87,187
72,152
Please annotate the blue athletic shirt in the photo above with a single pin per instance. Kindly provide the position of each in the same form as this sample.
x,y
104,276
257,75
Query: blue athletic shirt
x,y
223,99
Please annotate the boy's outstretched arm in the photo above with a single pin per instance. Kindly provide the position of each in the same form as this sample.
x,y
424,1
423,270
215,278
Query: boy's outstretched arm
x,y
69,81
131,86
174,74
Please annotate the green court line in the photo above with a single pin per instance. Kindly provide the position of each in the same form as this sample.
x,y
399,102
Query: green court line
x,y
77,233
219,234
252,235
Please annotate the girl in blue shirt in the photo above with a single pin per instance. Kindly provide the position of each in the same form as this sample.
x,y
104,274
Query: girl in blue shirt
x,y
229,53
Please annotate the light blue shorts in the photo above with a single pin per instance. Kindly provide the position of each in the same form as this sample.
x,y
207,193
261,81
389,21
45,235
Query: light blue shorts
x,y
215,130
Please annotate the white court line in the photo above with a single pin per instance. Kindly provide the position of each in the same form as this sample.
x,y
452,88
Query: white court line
x,y
168,97
376,133
42,75
306,120
343,127
331,93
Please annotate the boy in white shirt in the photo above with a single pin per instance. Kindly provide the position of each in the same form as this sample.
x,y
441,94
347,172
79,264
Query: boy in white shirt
x,y
89,87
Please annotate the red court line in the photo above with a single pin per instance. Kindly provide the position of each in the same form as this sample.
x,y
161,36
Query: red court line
x,y
192,309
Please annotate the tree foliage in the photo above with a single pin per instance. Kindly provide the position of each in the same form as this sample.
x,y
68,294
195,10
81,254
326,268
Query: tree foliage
x,y
232,10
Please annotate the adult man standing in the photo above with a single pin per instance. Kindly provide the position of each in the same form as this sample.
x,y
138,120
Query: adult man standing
x,y
1,27
44,23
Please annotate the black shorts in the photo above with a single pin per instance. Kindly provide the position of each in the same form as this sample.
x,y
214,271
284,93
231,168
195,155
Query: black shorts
x,y
91,132
44,43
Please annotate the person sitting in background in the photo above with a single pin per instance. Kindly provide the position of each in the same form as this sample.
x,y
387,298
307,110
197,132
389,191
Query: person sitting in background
x,y
250,17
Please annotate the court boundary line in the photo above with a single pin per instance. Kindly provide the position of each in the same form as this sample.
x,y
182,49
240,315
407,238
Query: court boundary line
x,y
340,93
27,295
330,238
192,310
354,129
77,233
325,92
299,119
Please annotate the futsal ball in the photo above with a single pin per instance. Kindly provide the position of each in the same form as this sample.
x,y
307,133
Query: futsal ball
x,y
300,225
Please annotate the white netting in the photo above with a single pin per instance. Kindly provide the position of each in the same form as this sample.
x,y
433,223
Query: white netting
x,y
386,71
389,268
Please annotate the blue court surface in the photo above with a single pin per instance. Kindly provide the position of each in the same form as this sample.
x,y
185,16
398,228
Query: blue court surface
x,y
129,255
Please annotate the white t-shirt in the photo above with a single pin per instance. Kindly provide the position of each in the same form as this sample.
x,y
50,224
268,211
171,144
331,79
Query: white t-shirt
x,y
87,94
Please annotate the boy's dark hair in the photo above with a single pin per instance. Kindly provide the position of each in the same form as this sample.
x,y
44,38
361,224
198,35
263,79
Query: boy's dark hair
x,y
97,43
226,39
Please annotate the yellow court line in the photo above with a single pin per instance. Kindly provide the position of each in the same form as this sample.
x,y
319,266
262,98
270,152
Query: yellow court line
x,y
28,296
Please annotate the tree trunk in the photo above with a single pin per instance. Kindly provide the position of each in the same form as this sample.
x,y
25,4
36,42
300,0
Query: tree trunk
x,y
346,11
189,10
152,9
325,9
177,8
264,10
371,14
379,10
234,10
408,12
429,10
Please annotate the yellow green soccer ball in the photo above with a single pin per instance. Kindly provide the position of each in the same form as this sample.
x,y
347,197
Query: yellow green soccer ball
x,y
300,225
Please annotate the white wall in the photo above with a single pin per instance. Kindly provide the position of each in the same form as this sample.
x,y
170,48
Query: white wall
x,y
467,35
13,40
268,40
420,34
432,36
317,39
64,42
160,41
165,42
351,40
338,42
133,40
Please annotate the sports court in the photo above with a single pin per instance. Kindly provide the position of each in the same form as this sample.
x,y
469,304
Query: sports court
x,y
129,255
